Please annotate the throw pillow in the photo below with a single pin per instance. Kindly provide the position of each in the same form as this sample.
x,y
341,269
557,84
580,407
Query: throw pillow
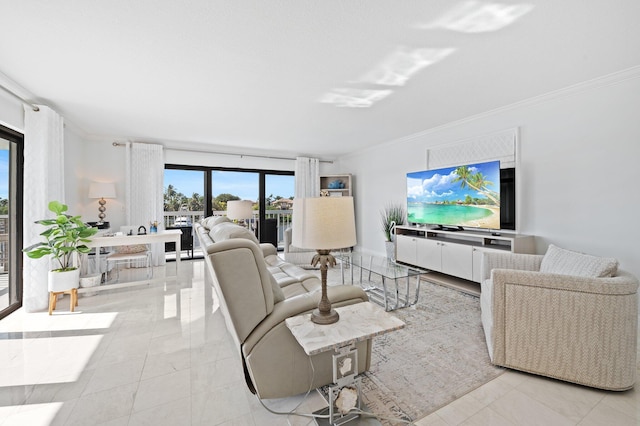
x,y
134,248
226,230
211,221
567,262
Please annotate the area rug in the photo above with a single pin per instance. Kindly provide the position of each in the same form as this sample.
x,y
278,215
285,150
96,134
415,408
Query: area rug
x,y
438,357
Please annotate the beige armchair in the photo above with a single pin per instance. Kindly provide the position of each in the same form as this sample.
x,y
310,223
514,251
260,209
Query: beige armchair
x,y
575,328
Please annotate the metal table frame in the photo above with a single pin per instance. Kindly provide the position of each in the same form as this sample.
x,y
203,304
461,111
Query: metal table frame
x,y
388,271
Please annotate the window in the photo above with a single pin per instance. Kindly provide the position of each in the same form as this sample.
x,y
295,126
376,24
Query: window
x,y
11,163
269,190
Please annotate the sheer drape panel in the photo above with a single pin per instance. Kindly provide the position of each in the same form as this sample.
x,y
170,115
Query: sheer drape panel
x,y
43,182
307,174
144,190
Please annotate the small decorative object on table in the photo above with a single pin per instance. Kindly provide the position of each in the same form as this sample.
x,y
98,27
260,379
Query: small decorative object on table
x,y
154,227
336,184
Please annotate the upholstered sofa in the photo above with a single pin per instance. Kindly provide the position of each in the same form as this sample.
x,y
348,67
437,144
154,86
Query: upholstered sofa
x,y
257,291
565,315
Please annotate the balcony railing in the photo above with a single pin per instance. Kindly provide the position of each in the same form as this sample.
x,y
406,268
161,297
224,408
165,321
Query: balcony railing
x,y
4,244
282,217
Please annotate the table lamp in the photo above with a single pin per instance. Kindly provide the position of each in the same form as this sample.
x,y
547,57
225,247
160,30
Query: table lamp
x,y
323,224
102,190
240,210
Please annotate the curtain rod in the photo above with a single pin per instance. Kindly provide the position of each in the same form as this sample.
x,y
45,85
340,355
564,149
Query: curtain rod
x,y
24,101
230,153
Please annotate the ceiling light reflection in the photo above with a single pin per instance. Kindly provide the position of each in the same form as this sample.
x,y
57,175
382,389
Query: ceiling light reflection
x,y
397,68
354,98
479,17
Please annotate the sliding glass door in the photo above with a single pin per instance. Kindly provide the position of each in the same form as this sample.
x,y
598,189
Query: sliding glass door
x,y
11,159
184,204
270,192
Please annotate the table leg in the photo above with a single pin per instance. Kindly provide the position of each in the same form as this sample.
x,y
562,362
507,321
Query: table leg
x,y
395,283
417,288
406,300
384,292
99,263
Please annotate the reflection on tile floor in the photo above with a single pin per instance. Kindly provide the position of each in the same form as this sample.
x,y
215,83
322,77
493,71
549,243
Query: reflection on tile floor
x,y
161,355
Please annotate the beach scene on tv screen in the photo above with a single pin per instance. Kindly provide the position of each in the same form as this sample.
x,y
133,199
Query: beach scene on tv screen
x,y
467,195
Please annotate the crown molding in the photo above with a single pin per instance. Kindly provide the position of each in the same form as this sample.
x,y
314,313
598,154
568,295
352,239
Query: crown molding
x,y
593,84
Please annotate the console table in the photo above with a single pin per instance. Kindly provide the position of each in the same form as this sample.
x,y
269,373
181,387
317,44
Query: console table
x,y
456,253
358,322
125,240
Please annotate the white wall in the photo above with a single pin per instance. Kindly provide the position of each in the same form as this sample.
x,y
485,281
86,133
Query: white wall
x,y
95,160
579,169
11,112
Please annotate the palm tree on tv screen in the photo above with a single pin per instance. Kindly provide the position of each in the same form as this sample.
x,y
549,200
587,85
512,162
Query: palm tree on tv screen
x,y
476,181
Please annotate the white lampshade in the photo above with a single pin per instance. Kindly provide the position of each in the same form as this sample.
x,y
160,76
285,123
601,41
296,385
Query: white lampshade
x,y
323,223
102,190
239,209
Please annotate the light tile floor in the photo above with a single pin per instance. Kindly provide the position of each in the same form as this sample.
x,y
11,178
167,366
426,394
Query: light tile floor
x,y
161,355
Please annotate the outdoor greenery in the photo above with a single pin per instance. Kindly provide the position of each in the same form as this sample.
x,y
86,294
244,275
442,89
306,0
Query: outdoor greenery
x,y
175,201
478,182
391,215
4,206
65,238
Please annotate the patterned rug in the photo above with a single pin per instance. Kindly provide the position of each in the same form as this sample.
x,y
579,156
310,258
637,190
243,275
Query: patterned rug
x,y
438,357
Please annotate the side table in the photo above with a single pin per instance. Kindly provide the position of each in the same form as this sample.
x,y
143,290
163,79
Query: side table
x,y
358,322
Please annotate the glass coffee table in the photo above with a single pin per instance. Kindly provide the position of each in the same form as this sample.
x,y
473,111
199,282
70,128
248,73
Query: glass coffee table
x,y
392,275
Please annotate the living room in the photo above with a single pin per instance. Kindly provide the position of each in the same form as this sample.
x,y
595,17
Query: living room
x,y
577,135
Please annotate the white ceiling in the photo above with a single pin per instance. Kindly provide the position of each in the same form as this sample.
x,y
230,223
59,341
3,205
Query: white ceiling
x,y
320,78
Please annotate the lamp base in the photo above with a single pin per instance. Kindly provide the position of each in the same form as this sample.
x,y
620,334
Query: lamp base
x,y
320,317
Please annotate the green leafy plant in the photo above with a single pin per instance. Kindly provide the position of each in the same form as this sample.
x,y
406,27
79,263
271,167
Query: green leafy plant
x,y
65,237
390,216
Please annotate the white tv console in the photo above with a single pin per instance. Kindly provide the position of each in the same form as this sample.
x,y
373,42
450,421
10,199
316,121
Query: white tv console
x,y
457,253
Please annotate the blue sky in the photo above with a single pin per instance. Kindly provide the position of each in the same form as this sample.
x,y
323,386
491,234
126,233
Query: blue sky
x,y
4,173
431,186
241,184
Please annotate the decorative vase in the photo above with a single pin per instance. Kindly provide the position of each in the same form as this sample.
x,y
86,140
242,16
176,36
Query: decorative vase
x,y
390,246
63,280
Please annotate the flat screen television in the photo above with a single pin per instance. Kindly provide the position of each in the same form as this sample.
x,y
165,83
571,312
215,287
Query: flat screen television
x,y
465,196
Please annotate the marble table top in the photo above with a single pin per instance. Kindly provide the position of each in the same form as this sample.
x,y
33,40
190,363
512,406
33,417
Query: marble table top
x,y
358,322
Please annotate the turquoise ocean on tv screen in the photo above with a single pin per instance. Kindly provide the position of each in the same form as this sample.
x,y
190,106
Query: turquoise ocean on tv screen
x,y
447,214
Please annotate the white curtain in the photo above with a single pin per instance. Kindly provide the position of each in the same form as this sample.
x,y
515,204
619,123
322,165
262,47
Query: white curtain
x,y
145,189
43,182
307,174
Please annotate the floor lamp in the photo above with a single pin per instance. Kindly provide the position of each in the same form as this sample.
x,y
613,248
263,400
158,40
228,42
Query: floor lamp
x,y
323,224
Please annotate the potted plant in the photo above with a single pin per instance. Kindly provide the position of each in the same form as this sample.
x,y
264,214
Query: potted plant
x,y
65,239
391,215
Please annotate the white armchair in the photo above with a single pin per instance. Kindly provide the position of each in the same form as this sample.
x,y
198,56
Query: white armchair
x,y
296,255
581,329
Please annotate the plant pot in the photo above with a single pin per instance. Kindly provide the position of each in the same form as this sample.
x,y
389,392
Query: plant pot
x,y
390,246
62,281
89,281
